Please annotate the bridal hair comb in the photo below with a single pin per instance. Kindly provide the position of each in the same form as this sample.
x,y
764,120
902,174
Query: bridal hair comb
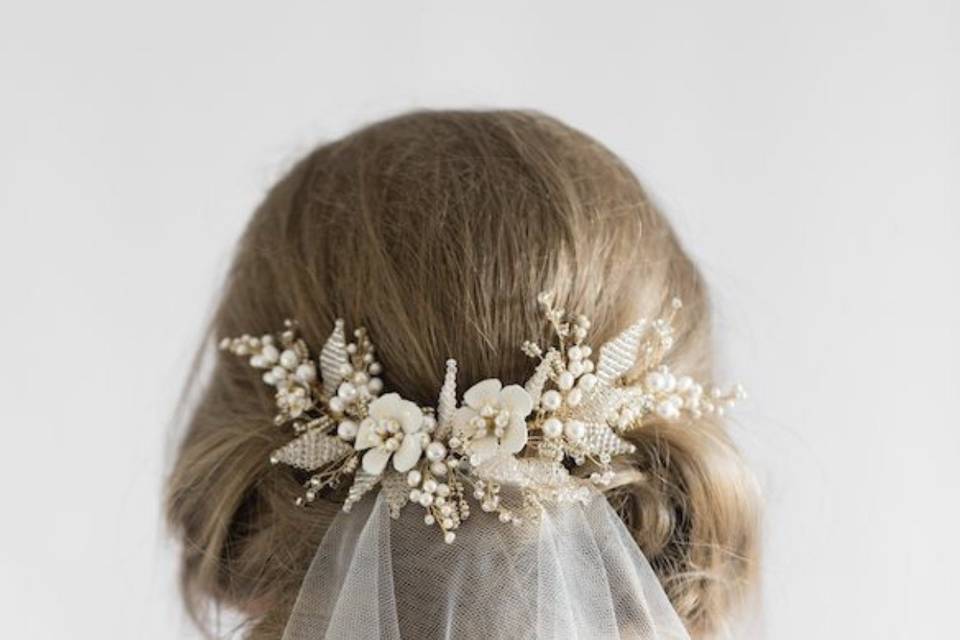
x,y
571,413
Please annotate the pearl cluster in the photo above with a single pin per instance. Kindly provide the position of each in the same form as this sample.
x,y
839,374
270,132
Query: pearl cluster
x,y
571,375
440,501
359,383
286,364
670,396
437,487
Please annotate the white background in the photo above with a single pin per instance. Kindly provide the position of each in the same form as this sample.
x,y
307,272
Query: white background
x,y
808,153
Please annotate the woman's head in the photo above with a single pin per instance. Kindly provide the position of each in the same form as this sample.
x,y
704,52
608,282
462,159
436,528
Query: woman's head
x,y
437,231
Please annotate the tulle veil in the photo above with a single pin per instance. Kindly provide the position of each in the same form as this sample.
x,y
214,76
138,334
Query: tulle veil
x,y
574,573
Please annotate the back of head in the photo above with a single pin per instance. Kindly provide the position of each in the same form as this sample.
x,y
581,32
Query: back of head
x,y
436,231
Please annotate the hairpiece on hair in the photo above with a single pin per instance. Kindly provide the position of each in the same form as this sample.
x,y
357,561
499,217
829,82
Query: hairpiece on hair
x,y
571,413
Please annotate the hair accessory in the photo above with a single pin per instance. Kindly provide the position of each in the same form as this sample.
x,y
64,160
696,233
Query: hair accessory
x,y
573,413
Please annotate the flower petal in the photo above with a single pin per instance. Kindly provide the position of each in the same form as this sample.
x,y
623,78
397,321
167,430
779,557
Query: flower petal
x,y
483,448
408,454
385,406
516,436
482,393
409,415
517,400
367,436
375,460
461,421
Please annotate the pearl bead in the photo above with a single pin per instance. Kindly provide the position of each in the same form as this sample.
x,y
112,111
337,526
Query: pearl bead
x,y
438,469
666,410
436,451
391,445
269,378
347,429
669,382
430,485
574,397
375,385
574,429
587,351
428,519
347,391
587,366
575,368
443,490
575,353
552,428
360,378
504,517
551,400
289,359
684,384
306,372
565,380
270,353
345,370
375,368
429,424
279,373
413,478
655,381
258,362
449,537
587,382
415,495
336,405
426,499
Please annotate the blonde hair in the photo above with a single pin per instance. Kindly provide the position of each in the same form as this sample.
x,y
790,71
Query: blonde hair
x,y
436,231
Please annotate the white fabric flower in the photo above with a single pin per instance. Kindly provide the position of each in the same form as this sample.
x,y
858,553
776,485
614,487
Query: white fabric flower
x,y
494,419
393,428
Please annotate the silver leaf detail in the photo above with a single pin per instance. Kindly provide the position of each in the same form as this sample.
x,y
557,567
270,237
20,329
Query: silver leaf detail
x,y
395,492
619,355
447,404
312,450
332,358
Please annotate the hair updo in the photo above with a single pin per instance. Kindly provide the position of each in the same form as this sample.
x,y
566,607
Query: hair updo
x,y
436,231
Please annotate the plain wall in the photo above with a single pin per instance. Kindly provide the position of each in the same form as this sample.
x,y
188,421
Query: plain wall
x,y
808,154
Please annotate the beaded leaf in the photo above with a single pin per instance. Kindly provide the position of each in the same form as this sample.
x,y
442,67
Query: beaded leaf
x,y
541,374
363,483
447,403
619,355
395,491
333,358
312,450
